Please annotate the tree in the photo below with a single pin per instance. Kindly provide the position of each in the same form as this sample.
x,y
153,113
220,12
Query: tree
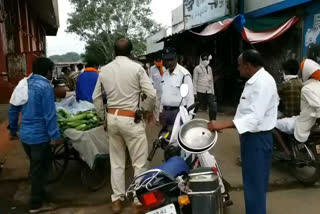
x,y
101,22
93,54
68,57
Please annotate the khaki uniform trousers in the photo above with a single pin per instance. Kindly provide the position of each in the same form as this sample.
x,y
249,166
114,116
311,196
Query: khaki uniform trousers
x,y
123,132
157,108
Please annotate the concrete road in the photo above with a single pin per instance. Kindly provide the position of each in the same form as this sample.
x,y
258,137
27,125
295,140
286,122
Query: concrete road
x,y
286,196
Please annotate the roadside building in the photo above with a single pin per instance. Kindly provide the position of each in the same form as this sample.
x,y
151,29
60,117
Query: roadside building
x,y
24,25
279,29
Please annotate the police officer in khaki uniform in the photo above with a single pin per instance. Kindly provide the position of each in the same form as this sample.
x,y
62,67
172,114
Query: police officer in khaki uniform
x,y
123,81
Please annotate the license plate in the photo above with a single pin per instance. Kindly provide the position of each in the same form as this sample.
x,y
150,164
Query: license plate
x,y
318,149
169,209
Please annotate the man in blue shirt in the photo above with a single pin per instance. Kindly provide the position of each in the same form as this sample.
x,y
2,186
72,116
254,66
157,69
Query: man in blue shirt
x,y
38,128
86,83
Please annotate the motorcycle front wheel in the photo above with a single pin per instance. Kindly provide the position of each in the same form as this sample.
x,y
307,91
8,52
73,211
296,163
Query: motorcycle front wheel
x,y
304,164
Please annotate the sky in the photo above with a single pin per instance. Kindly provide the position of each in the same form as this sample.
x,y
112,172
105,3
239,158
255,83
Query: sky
x,y
67,42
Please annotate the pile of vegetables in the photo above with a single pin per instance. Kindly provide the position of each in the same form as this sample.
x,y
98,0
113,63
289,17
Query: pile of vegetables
x,y
81,121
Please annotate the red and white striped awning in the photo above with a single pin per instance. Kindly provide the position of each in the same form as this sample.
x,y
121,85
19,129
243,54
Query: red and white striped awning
x,y
265,36
248,35
215,27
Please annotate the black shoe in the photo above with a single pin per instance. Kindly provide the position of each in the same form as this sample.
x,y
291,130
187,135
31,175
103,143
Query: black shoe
x,y
227,203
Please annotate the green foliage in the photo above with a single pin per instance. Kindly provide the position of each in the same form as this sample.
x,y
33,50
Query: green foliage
x,y
68,57
101,22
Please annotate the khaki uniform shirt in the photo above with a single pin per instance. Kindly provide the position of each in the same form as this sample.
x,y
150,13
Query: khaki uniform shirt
x,y
123,80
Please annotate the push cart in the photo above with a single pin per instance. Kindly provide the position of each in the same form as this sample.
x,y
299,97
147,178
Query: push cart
x,y
90,150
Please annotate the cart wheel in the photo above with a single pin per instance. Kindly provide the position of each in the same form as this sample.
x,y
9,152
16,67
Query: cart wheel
x,y
59,161
95,179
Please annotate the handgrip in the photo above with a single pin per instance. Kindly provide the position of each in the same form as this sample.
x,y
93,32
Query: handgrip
x,y
153,150
151,154
193,106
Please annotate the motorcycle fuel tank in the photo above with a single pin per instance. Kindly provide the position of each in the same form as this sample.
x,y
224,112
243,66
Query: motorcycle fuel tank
x,y
206,194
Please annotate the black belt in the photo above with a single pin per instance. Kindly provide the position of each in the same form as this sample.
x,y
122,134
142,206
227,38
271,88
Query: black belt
x,y
260,132
170,108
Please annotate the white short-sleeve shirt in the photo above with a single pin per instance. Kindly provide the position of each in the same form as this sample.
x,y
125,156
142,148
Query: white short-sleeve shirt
x,y
258,107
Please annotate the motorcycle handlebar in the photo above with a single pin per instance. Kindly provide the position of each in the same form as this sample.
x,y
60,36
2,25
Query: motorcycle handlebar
x,y
153,151
193,106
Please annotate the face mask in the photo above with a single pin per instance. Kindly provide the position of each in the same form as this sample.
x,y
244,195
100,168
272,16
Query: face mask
x,y
205,63
289,77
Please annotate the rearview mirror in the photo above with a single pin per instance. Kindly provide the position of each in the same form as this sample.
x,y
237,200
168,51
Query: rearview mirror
x,y
184,90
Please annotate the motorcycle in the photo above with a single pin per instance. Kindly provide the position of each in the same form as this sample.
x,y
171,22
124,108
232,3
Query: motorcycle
x,y
302,158
189,181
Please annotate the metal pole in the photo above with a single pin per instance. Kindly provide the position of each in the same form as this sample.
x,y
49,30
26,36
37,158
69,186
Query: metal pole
x,y
184,18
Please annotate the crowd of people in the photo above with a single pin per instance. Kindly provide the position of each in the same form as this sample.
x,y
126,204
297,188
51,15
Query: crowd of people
x,y
117,89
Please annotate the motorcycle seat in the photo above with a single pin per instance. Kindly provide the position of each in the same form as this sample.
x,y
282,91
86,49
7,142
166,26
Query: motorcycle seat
x,y
174,166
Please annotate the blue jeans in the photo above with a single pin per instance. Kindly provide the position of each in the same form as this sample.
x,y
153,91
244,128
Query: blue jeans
x,y
256,149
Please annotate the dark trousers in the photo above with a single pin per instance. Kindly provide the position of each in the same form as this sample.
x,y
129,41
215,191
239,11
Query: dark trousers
x,y
256,149
168,117
208,100
40,162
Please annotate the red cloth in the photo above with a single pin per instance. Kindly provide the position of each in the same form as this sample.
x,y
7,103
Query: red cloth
x,y
159,66
215,27
316,75
265,36
249,35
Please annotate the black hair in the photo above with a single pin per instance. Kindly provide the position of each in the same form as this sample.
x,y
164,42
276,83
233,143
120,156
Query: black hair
x,y
158,56
291,67
42,66
123,47
80,66
91,63
253,57
65,70
204,54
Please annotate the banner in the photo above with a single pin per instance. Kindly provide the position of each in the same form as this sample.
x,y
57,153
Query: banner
x,y
198,12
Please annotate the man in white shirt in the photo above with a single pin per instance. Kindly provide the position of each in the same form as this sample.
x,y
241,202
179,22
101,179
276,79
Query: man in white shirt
x,y
301,125
255,118
123,81
203,85
156,73
174,76
310,100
